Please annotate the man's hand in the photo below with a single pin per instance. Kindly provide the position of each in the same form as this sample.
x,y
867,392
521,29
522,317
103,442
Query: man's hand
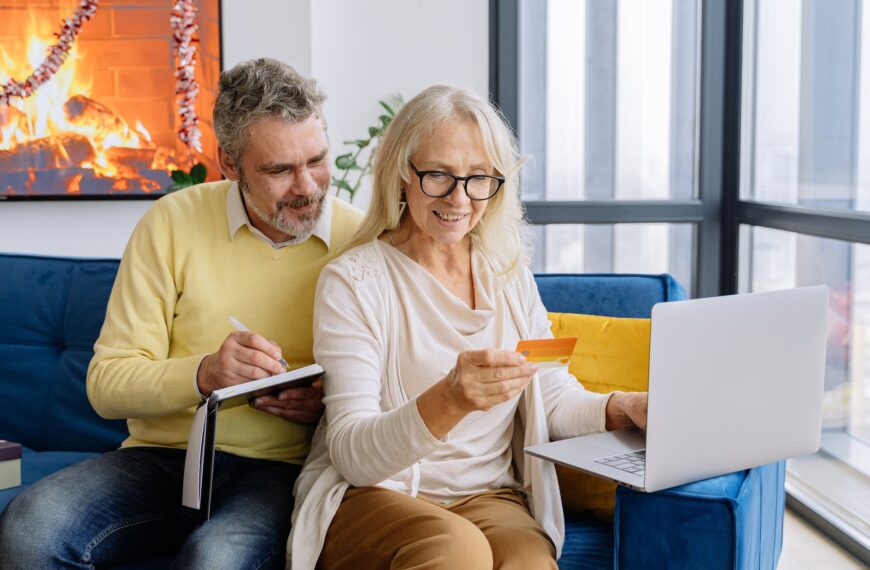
x,y
625,409
303,405
243,356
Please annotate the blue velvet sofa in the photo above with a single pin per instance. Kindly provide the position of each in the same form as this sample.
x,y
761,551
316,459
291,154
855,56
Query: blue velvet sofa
x,y
51,310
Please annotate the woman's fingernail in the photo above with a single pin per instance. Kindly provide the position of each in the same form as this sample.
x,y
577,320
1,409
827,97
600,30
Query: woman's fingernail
x,y
534,368
258,402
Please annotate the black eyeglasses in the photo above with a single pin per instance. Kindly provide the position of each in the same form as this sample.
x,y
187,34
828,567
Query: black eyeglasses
x,y
438,184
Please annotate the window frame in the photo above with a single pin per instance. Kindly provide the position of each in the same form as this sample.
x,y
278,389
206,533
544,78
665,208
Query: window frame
x,y
718,212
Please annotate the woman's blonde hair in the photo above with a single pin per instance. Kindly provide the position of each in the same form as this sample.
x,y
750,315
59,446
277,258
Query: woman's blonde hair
x,y
498,234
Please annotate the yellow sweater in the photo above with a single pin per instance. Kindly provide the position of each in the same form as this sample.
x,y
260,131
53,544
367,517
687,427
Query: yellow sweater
x,y
181,276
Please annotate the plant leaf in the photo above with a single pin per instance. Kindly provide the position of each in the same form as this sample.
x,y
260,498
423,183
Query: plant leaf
x,y
375,132
385,120
361,143
342,185
346,162
198,173
395,101
181,177
389,109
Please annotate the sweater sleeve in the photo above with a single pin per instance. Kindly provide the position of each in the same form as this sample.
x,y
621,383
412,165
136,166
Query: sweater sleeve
x,y
571,409
132,374
367,445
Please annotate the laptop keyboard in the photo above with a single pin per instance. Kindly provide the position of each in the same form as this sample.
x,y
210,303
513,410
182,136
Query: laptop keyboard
x,y
633,462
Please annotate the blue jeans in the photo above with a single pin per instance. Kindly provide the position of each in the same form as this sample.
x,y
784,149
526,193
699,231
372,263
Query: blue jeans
x,y
125,506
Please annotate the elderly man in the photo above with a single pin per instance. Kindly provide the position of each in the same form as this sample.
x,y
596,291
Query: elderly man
x,y
251,246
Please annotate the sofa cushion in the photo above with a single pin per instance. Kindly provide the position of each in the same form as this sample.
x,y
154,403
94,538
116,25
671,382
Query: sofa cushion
x,y
38,464
588,544
51,311
611,354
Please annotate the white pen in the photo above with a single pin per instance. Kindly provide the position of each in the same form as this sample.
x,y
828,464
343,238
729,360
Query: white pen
x,y
237,324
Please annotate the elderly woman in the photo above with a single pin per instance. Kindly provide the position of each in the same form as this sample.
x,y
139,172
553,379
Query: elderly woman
x,y
418,461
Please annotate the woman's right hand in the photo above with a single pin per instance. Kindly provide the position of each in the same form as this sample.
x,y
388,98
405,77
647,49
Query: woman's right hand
x,y
482,379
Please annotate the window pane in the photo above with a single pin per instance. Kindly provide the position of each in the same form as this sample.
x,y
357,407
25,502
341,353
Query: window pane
x,y
776,259
617,118
807,68
621,248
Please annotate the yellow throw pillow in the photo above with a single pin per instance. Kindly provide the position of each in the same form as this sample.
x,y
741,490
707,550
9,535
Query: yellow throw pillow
x,y
612,354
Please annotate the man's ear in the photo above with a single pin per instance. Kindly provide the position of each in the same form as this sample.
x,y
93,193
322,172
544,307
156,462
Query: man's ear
x,y
228,167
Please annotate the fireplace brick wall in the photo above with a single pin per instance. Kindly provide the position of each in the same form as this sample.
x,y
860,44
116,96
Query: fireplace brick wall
x,y
126,50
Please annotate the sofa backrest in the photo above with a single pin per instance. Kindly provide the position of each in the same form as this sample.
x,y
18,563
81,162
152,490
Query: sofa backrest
x,y
51,311
607,294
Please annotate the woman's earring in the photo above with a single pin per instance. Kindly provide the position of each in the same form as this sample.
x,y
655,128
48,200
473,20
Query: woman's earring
x,y
403,203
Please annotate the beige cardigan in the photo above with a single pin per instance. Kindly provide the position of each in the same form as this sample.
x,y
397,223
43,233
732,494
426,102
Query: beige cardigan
x,y
354,442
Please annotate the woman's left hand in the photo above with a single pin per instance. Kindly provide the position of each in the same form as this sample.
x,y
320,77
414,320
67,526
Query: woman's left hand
x,y
625,409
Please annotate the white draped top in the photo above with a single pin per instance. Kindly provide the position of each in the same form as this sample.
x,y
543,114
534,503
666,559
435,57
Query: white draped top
x,y
435,327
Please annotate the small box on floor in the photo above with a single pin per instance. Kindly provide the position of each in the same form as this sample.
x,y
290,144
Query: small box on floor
x,y
10,464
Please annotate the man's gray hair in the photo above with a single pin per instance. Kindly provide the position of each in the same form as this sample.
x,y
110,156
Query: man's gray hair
x,y
260,88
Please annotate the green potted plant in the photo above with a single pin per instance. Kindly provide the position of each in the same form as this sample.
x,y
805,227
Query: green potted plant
x,y
350,170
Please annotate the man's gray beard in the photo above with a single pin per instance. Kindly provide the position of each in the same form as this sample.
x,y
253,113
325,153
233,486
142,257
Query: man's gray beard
x,y
300,230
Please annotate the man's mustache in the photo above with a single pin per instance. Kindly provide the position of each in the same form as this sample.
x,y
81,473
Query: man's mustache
x,y
302,201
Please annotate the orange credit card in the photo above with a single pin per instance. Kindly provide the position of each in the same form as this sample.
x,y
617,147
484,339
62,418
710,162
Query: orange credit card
x,y
548,352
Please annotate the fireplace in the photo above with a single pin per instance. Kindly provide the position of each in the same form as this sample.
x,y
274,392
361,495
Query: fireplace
x,y
106,124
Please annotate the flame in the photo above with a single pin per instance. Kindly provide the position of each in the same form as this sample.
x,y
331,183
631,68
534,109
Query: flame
x,y
31,178
73,184
61,112
140,128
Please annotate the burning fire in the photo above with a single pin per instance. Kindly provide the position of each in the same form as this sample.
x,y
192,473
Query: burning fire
x,y
61,126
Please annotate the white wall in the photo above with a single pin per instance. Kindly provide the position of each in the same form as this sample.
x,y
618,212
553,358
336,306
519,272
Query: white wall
x,y
366,51
267,28
69,228
359,52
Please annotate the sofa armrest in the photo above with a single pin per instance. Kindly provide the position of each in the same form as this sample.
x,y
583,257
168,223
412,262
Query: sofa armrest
x,y
731,521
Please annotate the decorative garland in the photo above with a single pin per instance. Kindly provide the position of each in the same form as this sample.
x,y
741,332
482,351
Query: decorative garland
x,y
57,55
184,25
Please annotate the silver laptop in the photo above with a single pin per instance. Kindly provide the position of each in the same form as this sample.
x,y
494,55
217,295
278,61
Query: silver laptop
x,y
734,382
